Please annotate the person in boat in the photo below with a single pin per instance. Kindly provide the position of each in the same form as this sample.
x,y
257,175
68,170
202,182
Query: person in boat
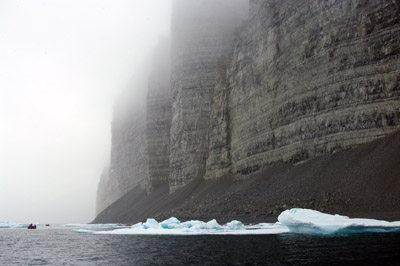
x,y
32,226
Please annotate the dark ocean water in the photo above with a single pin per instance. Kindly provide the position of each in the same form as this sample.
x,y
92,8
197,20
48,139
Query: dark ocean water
x,y
61,246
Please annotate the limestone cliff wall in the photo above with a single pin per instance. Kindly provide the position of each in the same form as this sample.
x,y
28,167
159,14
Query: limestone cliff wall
x,y
307,78
140,134
296,80
219,159
103,191
202,32
129,157
158,121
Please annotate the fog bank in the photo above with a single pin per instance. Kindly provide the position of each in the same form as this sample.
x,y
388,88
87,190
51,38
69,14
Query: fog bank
x,y
63,65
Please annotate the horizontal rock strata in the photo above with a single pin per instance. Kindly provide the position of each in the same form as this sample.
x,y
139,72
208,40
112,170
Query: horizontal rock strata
x,y
307,79
202,32
292,81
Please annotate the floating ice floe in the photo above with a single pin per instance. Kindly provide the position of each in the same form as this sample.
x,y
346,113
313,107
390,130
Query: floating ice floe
x,y
10,225
93,225
307,221
302,221
173,226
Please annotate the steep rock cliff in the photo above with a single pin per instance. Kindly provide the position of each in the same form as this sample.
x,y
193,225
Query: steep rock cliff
x,y
219,147
202,32
140,135
308,78
129,157
297,80
158,117
103,191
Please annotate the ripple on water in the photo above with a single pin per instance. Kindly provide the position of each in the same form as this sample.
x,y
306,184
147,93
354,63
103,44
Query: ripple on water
x,y
60,246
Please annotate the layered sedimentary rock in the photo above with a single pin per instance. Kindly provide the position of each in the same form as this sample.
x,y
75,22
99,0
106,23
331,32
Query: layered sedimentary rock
x,y
159,117
140,134
129,157
219,154
296,80
308,78
202,32
103,191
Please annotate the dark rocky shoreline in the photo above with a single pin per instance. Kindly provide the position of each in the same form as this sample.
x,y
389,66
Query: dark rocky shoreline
x,y
363,182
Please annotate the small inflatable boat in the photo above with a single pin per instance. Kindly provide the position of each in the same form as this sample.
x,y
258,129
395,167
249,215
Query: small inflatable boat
x,y
32,226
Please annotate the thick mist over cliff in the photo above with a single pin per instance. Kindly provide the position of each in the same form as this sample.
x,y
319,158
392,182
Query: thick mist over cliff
x,y
63,64
277,83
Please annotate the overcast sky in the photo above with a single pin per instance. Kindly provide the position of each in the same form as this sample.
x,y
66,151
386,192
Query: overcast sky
x,y
62,63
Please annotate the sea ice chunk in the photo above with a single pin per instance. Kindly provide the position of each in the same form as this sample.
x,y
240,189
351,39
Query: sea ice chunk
x,y
293,220
84,231
191,223
10,225
93,225
173,226
171,223
138,225
235,225
152,224
314,222
211,225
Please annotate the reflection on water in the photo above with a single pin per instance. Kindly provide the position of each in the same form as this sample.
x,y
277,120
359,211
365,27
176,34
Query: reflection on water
x,y
60,246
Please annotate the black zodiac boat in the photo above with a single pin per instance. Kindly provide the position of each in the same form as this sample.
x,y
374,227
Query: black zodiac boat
x,y
32,226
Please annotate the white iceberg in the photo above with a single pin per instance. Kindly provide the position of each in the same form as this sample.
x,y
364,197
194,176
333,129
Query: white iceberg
x,y
170,223
302,221
151,224
235,225
305,221
173,226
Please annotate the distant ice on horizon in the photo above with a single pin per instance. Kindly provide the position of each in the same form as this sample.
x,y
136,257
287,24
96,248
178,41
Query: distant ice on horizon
x,y
17,225
93,225
11,225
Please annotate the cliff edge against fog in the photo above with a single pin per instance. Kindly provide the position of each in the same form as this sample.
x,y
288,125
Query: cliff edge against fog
x,y
259,106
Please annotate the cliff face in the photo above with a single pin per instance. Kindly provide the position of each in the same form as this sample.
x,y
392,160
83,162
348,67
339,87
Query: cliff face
x,y
128,166
202,32
361,182
158,121
103,192
140,136
307,78
296,80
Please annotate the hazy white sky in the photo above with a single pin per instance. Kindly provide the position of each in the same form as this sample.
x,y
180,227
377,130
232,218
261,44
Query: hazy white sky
x,y
62,63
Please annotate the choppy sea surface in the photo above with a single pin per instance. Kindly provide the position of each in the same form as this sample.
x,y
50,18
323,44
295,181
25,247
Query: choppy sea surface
x,y
63,246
